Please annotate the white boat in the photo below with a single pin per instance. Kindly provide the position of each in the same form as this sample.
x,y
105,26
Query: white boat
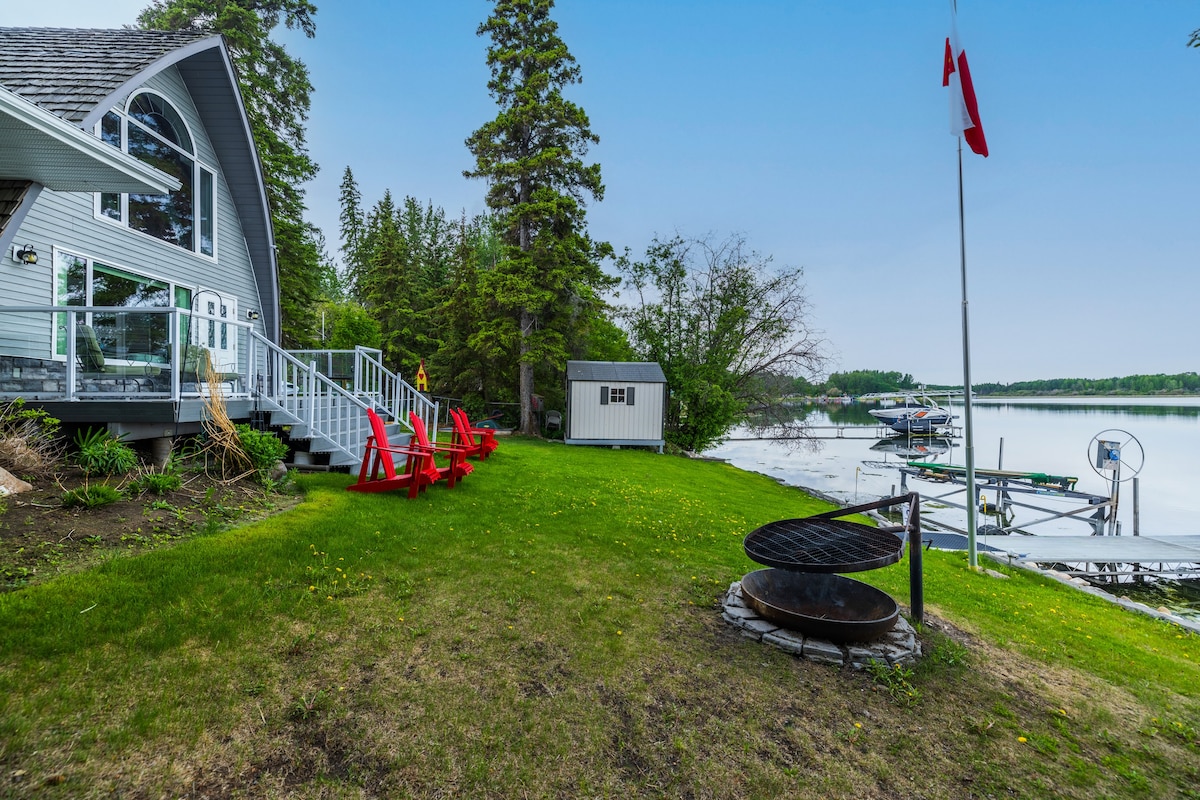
x,y
926,420
911,413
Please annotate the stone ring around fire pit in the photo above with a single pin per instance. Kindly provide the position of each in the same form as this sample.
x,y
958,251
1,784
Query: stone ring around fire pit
x,y
899,645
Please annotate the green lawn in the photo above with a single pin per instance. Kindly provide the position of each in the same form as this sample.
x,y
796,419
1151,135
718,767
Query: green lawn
x,y
549,629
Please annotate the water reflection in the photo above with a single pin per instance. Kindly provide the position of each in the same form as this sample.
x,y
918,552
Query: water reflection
x,y
1119,407
913,447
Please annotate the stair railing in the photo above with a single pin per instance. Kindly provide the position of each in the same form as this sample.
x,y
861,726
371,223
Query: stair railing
x,y
372,379
328,414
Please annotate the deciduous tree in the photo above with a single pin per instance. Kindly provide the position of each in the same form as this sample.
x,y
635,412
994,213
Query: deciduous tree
x,y
722,324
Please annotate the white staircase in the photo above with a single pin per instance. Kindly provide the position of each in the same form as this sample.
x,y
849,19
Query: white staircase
x,y
297,390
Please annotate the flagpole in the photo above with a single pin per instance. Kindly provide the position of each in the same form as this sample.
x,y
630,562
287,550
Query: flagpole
x,y
972,555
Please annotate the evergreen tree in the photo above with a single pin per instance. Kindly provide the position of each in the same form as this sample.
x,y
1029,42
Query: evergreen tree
x,y
352,231
470,364
275,88
531,154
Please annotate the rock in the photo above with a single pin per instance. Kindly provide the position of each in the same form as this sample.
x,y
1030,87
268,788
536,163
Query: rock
x,y
758,627
823,652
11,484
860,656
740,613
278,472
785,640
733,597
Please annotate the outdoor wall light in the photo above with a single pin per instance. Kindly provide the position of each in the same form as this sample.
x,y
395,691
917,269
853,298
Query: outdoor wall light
x,y
25,255
252,314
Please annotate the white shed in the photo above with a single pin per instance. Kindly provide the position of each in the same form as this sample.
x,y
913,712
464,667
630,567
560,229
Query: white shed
x,y
616,403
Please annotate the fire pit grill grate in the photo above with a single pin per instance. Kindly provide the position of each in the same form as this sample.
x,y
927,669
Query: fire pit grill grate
x,y
823,545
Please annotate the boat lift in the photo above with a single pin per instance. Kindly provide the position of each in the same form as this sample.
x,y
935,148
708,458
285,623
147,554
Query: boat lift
x,y
1012,489
1104,556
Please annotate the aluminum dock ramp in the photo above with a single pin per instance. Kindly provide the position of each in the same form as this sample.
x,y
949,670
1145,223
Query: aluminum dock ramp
x,y
1103,556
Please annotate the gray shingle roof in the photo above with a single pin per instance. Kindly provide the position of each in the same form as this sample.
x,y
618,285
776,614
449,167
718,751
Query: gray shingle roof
x,y
67,71
632,371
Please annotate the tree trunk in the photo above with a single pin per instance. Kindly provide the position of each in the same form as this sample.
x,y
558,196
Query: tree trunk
x,y
529,425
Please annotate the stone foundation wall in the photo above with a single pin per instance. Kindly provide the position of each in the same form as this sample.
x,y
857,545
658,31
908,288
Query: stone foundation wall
x,y
32,376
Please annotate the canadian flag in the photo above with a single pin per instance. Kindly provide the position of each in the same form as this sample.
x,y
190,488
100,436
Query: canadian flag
x,y
964,111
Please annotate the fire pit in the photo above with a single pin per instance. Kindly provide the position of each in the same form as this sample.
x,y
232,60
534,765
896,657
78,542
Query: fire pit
x,y
801,591
829,606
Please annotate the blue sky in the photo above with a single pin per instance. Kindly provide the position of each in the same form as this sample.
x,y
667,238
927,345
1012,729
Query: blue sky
x,y
819,131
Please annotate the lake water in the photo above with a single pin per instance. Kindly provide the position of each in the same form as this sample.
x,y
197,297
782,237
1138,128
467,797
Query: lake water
x,y
1051,435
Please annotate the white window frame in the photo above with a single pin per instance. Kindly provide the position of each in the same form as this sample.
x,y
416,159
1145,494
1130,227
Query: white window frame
x,y
198,166
55,252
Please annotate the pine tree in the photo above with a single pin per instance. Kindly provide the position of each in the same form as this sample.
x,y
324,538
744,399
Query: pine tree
x,y
531,154
352,231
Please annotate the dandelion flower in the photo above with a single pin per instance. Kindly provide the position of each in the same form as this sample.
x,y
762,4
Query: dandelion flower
x,y
1022,739
858,724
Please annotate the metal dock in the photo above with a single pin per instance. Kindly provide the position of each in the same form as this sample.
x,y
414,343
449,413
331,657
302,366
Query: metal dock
x,y
1103,556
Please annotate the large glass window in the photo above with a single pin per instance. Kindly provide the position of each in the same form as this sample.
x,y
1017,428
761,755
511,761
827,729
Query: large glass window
x,y
164,216
155,132
130,335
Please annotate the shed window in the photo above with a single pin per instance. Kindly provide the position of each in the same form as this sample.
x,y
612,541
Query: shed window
x,y
153,131
616,395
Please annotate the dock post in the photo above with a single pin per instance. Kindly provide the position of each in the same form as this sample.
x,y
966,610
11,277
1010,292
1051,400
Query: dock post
x,y
1137,519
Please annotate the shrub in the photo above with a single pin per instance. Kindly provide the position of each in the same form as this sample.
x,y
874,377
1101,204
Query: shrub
x,y
91,496
30,446
101,453
263,448
157,482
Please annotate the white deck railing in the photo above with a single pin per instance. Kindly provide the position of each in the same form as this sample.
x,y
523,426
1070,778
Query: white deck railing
x,y
322,394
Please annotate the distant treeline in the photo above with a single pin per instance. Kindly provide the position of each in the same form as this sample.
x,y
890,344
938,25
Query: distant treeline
x,y
865,381
1182,383
860,381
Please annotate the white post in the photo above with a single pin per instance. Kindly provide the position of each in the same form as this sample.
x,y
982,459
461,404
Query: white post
x,y
972,495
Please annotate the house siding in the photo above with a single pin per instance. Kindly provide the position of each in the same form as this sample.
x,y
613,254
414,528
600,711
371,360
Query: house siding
x,y
66,221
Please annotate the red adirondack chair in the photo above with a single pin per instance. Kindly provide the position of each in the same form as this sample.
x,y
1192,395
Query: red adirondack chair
x,y
458,467
465,435
419,468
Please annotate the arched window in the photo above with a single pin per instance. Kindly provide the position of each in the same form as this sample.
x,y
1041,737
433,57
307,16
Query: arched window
x,y
156,114
153,130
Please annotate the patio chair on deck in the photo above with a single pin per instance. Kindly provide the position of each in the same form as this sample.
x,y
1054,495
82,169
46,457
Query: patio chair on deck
x,y
93,364
419,469
197,361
